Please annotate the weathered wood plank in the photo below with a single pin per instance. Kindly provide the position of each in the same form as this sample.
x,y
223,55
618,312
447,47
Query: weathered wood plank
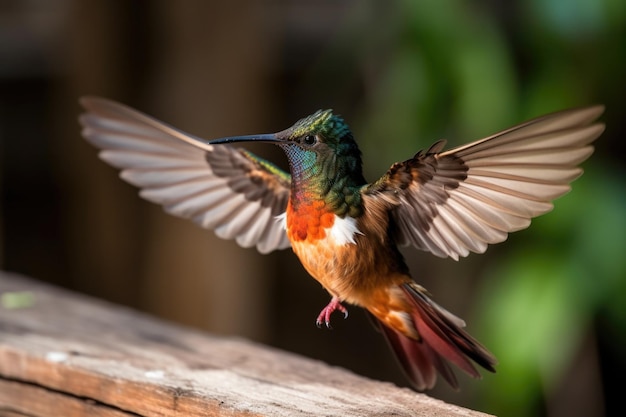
x,y
31,400
71,355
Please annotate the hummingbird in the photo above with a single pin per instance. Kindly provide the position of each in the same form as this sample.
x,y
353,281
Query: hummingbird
x,y
346,231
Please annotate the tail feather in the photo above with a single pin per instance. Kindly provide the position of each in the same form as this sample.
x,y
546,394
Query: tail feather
x,y
441,340
419,361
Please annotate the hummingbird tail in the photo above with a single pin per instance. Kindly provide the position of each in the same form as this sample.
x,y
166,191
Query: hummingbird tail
x,y
441,339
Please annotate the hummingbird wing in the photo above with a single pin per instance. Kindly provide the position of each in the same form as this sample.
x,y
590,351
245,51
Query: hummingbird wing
x,y
455,202
229,190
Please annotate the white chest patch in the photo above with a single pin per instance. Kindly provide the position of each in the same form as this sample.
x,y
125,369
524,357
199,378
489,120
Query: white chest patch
x,y
343,231
281,219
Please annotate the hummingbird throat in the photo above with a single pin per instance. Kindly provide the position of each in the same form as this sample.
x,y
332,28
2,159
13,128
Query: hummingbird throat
x,y
322,204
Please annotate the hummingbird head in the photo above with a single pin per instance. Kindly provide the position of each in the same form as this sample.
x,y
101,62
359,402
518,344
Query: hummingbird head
x,y
320,149
322,129
321,143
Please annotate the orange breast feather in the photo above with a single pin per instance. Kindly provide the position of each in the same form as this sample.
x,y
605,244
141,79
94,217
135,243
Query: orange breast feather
x,y
309,222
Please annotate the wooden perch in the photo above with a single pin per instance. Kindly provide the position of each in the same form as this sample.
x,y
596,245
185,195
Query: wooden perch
x,y
64,354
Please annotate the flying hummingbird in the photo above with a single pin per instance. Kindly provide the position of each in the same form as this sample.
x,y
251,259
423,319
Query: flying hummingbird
x,y
346,231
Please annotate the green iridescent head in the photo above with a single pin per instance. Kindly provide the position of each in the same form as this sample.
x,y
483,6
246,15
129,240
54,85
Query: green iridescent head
x,y
321,128
321,146
321,150
330,128
326,135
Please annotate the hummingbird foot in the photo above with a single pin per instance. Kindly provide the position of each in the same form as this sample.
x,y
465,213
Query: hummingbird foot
x,y
326,312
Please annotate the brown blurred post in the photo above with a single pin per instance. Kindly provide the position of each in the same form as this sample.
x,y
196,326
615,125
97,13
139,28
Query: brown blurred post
x,y
203,76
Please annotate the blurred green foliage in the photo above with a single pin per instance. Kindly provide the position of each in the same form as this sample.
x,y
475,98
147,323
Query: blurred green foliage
x,y
465,70
539,302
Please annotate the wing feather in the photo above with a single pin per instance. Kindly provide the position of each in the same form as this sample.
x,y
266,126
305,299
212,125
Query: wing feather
x,y
229,190
156,179
458,201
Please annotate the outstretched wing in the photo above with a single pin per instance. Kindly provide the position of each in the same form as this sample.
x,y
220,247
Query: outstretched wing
x,y
229,190
455,202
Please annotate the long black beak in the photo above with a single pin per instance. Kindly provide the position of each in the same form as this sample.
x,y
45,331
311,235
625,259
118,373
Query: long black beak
x,y
268,138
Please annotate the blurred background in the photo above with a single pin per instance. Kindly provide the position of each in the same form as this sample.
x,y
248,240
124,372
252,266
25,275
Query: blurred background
x,y
550,302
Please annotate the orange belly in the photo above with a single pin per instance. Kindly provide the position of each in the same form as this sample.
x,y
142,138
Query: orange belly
x,y
330,264
346,256
346,273
324,243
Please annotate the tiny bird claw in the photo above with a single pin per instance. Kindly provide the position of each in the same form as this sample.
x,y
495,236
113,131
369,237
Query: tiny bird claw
x,y
324,316
319,323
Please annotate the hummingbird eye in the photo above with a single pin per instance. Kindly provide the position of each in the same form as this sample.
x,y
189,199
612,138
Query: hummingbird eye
x,y
309,139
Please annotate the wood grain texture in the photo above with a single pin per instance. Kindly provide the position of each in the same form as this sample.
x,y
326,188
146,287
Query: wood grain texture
x,y
71,355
